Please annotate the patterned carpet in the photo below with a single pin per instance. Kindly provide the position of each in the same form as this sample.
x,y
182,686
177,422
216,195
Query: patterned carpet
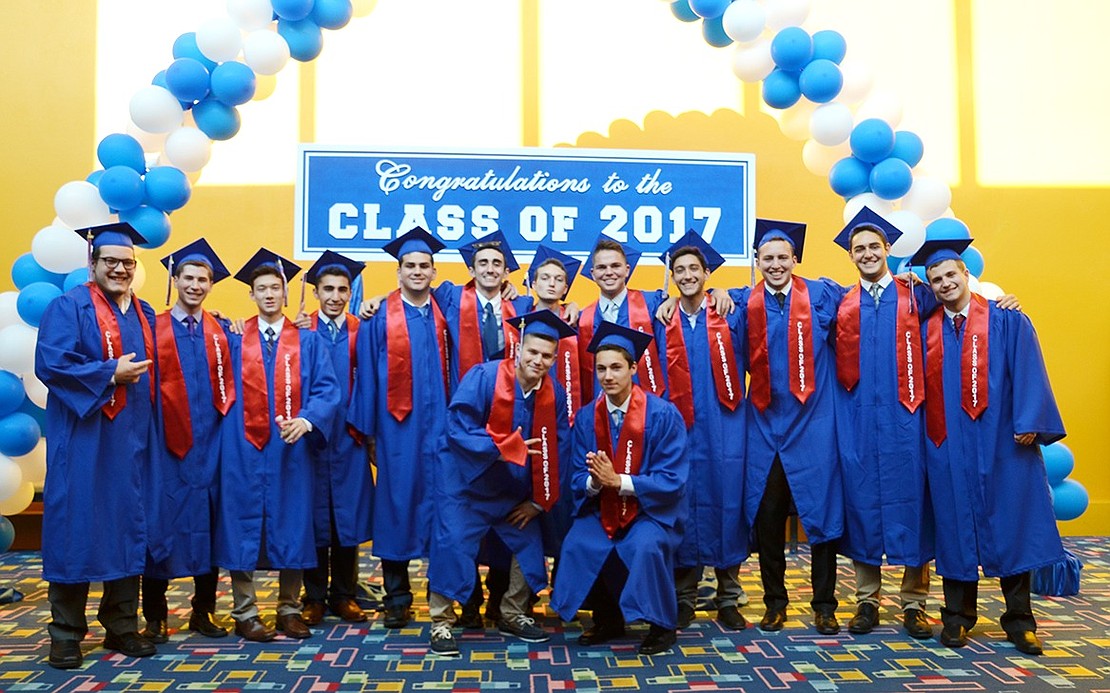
x,y
367,657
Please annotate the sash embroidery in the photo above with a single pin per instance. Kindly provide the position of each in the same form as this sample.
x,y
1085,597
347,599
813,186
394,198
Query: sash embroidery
x,y
647,370
618,511
974,367
110,336
799,338
721,360
398,395
287,381
470,340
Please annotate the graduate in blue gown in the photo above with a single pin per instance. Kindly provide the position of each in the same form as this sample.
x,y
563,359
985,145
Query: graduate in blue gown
x,y
268,451
507,450
94,354
704,375
628,478
399,401
986,475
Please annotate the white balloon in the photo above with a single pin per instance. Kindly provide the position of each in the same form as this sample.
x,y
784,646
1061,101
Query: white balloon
x,y
188,149
877,204
150,141
913,232
155,109
18,501
784,13
857,81
58,249
11,477
17,348
928,197
974,284
265,52
140,276
8,313
36,389
884,105
219,39
744,20
752,62
58,222
795,120
33,464
78,205
819,159
831,123
990,290
250,15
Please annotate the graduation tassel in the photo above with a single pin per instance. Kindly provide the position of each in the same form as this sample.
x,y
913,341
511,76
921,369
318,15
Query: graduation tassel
x,y
284,283
527,285
304,278
88,253
667,273
169,278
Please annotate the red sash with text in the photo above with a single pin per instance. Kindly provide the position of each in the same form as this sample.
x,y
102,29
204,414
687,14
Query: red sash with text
x,y
287,381
974,367
721,359
470,330
110,340
618,511
799,339
398,395
567,368
647,370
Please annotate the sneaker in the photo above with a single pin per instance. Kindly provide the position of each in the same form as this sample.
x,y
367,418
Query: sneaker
x,y
443,641
524,628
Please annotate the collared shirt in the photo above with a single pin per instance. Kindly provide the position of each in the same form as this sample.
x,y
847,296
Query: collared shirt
x,y
179,314
785,291
692,318
495,302
627,488
965,312
884,282
611,307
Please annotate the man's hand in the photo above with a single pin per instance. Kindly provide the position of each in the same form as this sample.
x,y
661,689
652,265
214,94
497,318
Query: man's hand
x,y
533,445
571,312
370,306
723,302
909,278
601,469
293,429
1008,302
522,514
509,292
666,309
128,370
1025,438
303,320
237,326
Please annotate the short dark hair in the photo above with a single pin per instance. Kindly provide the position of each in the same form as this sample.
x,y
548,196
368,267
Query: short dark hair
x,y
620,350
263,270
552,261
689,250
401,260
334,271
479,246
609,244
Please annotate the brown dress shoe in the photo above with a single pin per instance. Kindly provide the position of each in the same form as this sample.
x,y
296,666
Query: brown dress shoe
x,y
313,613
348,610
254,629
293,626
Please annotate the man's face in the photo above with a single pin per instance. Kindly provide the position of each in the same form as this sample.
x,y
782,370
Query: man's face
x,y
334,293
416,272
610,271
689,275
193,283
535,359
949,282
489,270
869,252
613,374
551,283
110,270
775,260
268,293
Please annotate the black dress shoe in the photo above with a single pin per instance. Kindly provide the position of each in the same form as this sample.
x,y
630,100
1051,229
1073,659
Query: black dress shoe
x,y
915,623
471,618
685,616
657,640
952,635
255,630
203,623
600,633
825,623
156,632
865,620
1026,641
397,617
65,654
773,621
731,618
131,644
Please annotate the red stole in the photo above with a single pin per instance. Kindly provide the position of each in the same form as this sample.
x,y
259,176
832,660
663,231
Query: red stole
x,y
647,370
398,395
176,418
725,375
911,378
470,330
287,381
568,371
974,367
109,339
618,511
352,336
799,339
510,442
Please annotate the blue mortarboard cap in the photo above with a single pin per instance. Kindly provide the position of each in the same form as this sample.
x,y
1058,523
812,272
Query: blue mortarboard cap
x,y
495,240
332,260
713,259
117,233
632,341
197,251
932,252
869,219
543,254
416,240
633,256
543,322
792,232
267,257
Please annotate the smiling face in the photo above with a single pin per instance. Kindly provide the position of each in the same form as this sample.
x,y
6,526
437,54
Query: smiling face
x,y
415,273
949,281
333,290
610,272
114,269
489,271
775,260
869,251
537,353
614,373
193,283
268,293
689,275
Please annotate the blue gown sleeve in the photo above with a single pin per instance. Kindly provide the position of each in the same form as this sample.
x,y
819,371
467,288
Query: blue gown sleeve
x,y
661,488
321,404
467,415
363,413
80,383
1034,406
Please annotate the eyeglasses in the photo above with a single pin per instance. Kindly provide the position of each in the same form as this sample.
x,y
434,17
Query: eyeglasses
x,y
114,262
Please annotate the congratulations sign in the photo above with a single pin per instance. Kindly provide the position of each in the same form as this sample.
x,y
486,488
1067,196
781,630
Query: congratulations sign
x,y
354,201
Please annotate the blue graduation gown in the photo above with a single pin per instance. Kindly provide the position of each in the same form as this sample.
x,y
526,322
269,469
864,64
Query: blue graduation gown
x,y
802,435
406,450
188,485
344,485
886,506
648,545
716,531
449,297
990,495
653,299
94,525
477,489
265,496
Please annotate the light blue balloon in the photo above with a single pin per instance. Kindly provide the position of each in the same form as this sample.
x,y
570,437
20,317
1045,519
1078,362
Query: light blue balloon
x,y
118,149
75,278
11,392
908,147
33,300
121,187
167,188
904,266
780,89
792,48
682,12
829,45
185,46
187,79
94,177
850,177
216,119
709,9
891,178
1069,499
820,80
7,534
872,140
945,228
894,262
304,38
332,14
974,261
19,434
26,271
713,31
1058,462
151,223
292,10
233,83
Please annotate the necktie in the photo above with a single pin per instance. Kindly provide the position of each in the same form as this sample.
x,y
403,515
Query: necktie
x,y
270,337
191,323
617,418
781,298
489,332
423,310
958,323
333,331
610,312
876,292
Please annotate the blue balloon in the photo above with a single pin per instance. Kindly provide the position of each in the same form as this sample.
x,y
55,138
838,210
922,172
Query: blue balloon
x,y
94,177
682,12
26,271
33,300
7,534
1058,462
332,14
11,392
304,38
34,411
872,140
233,83
821,80
713,31
75,278
894,262
216,119
121,150
908,147
792,48
121,187
829,45
945,229
850,177
185,46
709,9
780,89
160,81
974,261
292,10
904,266
891,178
167,188
151,223
187,79
1069,499
19,434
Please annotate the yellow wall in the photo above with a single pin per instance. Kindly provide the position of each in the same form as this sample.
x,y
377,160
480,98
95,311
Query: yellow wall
x,y
1035,239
